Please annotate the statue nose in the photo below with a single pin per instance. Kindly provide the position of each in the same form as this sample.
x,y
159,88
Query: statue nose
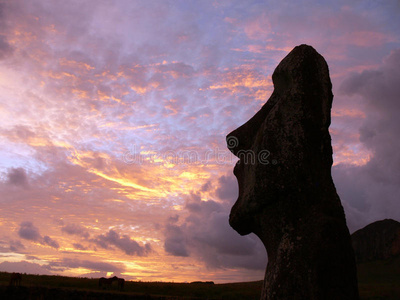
x,y
232,142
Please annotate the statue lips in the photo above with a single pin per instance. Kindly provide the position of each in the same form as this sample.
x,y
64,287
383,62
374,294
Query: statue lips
x,y
233,221
236,169
240,218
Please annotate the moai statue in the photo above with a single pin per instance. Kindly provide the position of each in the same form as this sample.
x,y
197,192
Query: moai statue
x,y
286,194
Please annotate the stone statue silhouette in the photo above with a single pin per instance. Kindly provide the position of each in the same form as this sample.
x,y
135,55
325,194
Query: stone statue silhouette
x,y
121,283
15,279
107,282
286,194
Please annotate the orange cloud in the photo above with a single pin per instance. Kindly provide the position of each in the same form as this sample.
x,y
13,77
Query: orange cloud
x,y
353,113
255,84
64,62
127,183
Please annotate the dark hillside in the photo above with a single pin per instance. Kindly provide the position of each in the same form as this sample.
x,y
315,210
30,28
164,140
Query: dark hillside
x,y
377,241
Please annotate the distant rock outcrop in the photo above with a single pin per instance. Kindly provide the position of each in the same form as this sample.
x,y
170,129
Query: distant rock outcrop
x,y
286,193
377,241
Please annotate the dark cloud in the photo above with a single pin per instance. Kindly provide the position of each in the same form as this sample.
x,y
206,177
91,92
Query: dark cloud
x,y
219,245
75,229
219,235
29,232
124,243
32,257
4,246
207,186
5,48
227,188
197,207
79,246
371,191
175,240
205,233
16,246
25,267
50,242
17,177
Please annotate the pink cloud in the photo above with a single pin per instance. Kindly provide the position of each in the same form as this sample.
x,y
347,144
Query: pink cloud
x,y
366,38
258,28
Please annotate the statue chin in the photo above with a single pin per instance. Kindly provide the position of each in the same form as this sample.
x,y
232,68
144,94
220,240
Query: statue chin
x,y
240,224
240,218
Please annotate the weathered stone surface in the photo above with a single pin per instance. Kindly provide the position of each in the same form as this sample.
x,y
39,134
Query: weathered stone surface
x,y
286,193
377,241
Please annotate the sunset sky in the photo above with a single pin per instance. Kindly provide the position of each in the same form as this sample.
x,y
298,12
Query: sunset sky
x,y
113,117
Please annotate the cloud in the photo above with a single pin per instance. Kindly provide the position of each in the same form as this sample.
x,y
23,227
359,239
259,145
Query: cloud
x,y
25,267
124,243
50,242
16,246
5,48
17,177
175,241
371,190
75,229
79,246
84,82
227,188
28,231
97,268
205,233
88,264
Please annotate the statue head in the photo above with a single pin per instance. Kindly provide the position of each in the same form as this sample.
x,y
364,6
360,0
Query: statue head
x,y
278,144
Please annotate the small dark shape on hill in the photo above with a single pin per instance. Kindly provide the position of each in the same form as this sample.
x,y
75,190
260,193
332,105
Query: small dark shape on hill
x,y
15,279
377,241
202,282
